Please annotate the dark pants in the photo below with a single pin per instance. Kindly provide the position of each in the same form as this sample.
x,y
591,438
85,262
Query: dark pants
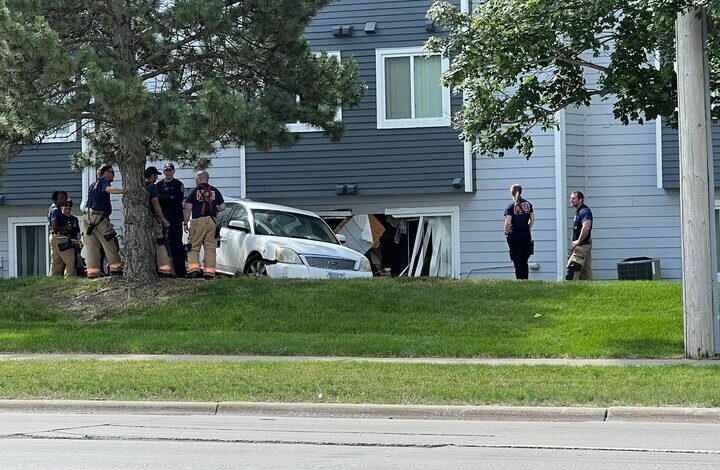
x,y
519,244
177,251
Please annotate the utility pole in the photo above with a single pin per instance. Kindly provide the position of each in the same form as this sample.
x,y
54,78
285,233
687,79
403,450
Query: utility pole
x,y
699,276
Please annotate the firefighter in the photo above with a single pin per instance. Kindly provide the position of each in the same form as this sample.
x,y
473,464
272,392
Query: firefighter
x,y
75,237
159,222
171,195
62,254
203,204
99,232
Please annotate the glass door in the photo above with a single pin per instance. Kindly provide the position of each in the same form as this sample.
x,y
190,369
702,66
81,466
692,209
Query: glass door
x,y
31,250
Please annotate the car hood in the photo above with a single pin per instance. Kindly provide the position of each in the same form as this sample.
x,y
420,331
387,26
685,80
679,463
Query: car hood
x,y
312,247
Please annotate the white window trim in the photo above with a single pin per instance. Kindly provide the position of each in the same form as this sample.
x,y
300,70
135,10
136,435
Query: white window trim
x,y
62,137
13,223
382,122
452,211
303,127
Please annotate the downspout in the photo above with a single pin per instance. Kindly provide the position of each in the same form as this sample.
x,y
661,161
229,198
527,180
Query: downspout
x,y
560,188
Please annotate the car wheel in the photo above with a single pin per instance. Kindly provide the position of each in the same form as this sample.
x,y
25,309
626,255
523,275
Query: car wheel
x,y
257,267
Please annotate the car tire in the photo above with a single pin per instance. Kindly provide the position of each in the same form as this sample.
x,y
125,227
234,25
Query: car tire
x,y
256,267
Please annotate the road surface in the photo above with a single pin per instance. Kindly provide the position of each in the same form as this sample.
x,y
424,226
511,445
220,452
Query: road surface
x,y
30,441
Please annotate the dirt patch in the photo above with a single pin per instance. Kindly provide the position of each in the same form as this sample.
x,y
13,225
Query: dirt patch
x,y
109,298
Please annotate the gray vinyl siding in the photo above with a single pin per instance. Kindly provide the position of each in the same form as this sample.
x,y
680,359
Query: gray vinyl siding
x,y
380,161
671,156
483,249
632,216
37,171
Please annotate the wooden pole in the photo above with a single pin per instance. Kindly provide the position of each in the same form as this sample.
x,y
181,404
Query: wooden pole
x,y
698,278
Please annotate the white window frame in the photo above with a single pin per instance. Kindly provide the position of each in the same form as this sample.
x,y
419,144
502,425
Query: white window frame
x,y
13,223
413,53
304,127
452,211
68,136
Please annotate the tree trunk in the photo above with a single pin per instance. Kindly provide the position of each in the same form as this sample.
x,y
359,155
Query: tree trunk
x,y
139,263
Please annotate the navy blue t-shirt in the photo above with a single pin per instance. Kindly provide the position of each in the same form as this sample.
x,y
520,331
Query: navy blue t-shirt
x,y
171,197
54,213
98,197
582,214
152,192
199,206
520,214
75,223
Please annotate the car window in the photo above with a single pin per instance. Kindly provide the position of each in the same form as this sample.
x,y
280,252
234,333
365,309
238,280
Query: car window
x,y
293,225
223,218
240,214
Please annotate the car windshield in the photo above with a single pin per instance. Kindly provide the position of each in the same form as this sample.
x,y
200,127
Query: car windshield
x,y
293,225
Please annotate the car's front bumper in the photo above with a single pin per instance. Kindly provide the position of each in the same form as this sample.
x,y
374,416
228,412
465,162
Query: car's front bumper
x,y
300,271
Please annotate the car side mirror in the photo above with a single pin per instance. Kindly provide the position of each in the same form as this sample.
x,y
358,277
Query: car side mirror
x,y
239,225
341,238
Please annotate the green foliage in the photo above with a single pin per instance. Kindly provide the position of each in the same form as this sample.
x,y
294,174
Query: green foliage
x,y
520,61
186,75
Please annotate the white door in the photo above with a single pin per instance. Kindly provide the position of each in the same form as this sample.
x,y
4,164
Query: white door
x,y
28,246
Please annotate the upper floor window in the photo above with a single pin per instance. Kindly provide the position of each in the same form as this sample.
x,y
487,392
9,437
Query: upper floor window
x,y
409,89
64,134
303,127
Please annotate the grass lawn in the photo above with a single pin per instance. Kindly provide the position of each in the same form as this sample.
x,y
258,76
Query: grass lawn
x,y
381,317
332,382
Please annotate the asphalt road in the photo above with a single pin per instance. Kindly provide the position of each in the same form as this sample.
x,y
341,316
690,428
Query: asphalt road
x,y
119,441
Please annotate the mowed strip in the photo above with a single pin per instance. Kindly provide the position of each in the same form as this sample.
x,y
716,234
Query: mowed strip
x,y
378,317
365,382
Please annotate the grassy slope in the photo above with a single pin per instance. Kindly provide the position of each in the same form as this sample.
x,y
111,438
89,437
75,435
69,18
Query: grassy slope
x,y
388,317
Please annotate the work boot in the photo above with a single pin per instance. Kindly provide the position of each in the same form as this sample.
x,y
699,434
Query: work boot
x,y
193,275
119,272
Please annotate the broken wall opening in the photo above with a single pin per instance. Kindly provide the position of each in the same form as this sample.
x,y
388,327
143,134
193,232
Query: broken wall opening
x,y
404,245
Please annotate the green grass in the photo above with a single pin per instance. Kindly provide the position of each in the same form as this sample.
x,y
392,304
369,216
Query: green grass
x,y
388,317
330,382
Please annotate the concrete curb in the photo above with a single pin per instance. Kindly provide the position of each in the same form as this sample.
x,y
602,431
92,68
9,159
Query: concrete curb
x,y
368,411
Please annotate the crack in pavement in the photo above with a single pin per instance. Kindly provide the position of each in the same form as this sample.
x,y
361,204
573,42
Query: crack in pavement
x,y
293,431
375,444
71,428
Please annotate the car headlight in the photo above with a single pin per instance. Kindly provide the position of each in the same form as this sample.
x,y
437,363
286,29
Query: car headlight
x,y
364,264
287,255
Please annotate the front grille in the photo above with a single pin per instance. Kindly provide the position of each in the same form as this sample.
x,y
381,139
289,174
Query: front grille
x,y
330,263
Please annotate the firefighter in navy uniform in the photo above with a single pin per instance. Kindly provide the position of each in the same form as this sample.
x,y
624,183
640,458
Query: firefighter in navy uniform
x,y
203,204
75,237
99,232
519,219
159,223
171,193
62,256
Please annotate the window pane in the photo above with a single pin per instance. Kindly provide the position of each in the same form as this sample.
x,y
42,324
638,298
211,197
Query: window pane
x,y
397,88
31,251
428,89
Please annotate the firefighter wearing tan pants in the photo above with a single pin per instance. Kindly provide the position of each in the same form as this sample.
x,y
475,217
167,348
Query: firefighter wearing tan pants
x,y
99,232
203,204
159,223
62,252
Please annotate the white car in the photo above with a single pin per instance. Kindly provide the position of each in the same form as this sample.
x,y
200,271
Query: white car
x,y
260,239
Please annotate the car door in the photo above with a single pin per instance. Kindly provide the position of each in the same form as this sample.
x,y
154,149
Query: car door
x,y
236,240
223,218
